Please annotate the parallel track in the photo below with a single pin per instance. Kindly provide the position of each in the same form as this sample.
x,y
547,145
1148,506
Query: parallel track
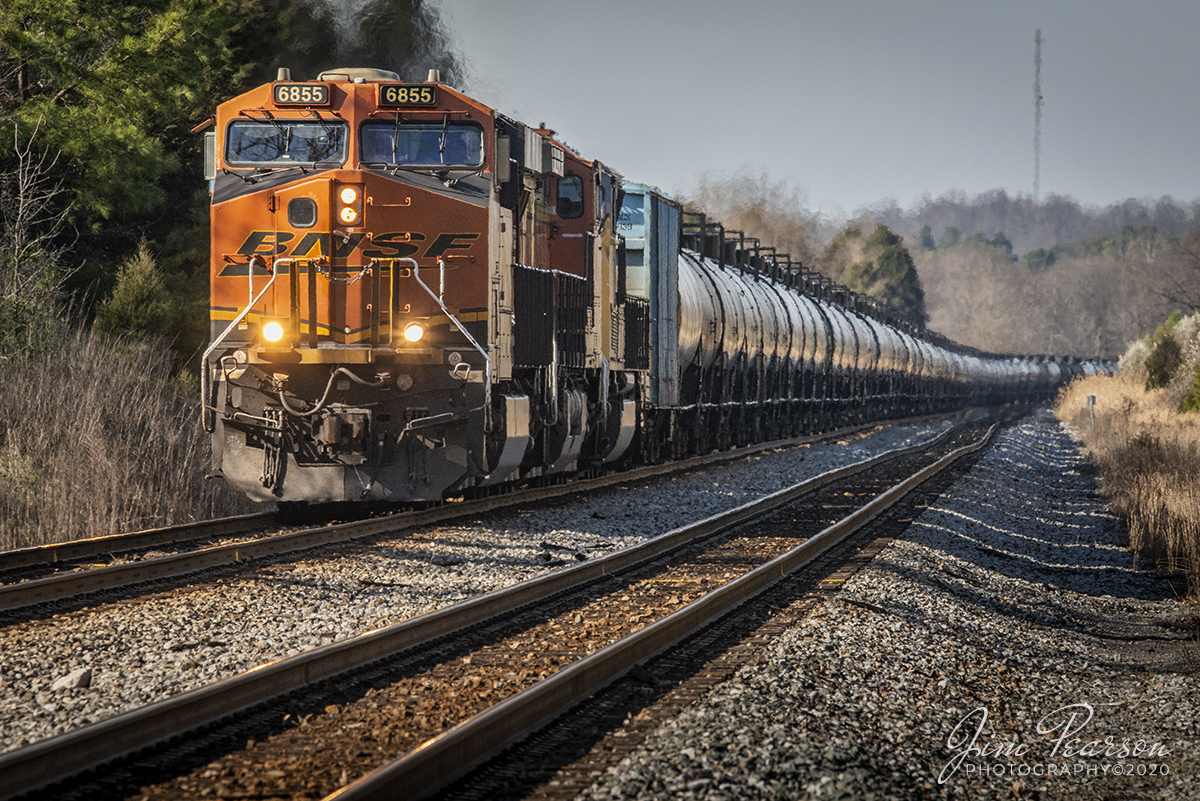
x,y
125,577
448,753
58,555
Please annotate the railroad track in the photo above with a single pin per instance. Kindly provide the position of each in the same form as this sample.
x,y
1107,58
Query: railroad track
x,y
440,690
37,561
62,576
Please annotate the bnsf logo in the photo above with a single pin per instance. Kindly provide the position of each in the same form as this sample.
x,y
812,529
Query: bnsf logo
x,y
394,245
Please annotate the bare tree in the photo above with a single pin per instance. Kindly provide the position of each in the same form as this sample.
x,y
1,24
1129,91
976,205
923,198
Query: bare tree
x,y
33,217
1181,276
772,211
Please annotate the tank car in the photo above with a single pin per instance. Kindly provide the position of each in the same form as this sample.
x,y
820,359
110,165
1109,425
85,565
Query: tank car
x,y
414,295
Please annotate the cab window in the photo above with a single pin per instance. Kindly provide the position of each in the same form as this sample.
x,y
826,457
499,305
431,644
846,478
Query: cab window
x,y
279,142
423,144
570,197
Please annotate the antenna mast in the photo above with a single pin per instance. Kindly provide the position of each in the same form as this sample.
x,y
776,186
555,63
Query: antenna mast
x,y
1037,113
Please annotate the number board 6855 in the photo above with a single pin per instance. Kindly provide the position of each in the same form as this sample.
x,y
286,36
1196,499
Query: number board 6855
x,y
396,94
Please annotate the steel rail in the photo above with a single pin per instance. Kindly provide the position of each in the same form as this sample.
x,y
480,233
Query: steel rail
x,y
44,762
67,585
440,760
131,541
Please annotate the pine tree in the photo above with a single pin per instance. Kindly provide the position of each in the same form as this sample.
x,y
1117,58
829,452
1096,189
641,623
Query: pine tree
x,y
140,301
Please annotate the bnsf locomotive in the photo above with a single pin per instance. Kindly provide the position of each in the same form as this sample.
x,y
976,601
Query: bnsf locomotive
x,y
414,295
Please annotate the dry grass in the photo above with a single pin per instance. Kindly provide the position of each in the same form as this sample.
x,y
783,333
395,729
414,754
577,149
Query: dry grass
x,y
96,438
1148,456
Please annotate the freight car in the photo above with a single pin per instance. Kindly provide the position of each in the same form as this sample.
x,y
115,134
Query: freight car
x,y
414,295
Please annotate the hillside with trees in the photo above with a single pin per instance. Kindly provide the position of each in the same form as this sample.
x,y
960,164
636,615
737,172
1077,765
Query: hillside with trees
x,y
1084,298
1029,224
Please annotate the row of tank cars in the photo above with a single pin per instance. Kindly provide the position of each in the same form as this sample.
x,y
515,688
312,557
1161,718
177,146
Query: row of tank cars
x,y
414,295
762,349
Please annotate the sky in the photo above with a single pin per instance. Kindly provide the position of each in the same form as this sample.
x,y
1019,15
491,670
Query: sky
x,y
854,102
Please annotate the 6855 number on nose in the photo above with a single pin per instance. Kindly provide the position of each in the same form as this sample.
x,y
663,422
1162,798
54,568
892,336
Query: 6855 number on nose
x,y
394,94
300,94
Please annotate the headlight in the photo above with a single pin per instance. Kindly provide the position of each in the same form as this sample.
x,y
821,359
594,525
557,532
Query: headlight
x,y
413,332
272,332
350,204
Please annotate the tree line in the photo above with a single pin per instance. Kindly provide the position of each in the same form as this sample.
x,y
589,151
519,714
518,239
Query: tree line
x,y
100,174
1002,274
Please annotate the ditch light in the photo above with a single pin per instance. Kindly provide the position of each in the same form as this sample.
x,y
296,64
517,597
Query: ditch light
x,y
413,332
272,331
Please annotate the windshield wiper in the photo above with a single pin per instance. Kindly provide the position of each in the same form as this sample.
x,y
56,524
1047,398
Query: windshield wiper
x,y
454,181
405,167
287,132
442,141
250,179
303,168
328,129
395,137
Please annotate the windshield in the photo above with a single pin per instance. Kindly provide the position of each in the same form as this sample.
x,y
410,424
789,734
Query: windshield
x,y
285,142
423,144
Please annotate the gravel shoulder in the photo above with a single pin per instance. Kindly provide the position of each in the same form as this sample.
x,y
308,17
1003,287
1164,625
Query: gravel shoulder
x,y
1004,647
120,656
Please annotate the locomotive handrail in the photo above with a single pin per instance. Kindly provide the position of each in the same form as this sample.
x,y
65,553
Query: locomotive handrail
x,y
487,377
205,380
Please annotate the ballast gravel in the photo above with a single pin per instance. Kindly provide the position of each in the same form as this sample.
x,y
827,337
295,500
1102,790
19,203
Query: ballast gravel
x,y
1004,647
144,650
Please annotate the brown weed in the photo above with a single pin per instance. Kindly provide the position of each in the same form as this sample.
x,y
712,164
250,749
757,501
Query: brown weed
x,y
1148,456
97,438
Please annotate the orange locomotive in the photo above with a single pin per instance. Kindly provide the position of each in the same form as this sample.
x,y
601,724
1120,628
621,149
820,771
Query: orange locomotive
x,y
411,294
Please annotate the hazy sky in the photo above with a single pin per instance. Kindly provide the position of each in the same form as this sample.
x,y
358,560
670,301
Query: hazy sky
x,y
855,101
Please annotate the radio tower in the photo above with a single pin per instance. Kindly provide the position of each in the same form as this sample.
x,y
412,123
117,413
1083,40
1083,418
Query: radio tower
x,y
1037,113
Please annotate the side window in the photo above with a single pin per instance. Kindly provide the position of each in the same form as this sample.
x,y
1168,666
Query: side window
x,y
606,197
570,197
302,212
